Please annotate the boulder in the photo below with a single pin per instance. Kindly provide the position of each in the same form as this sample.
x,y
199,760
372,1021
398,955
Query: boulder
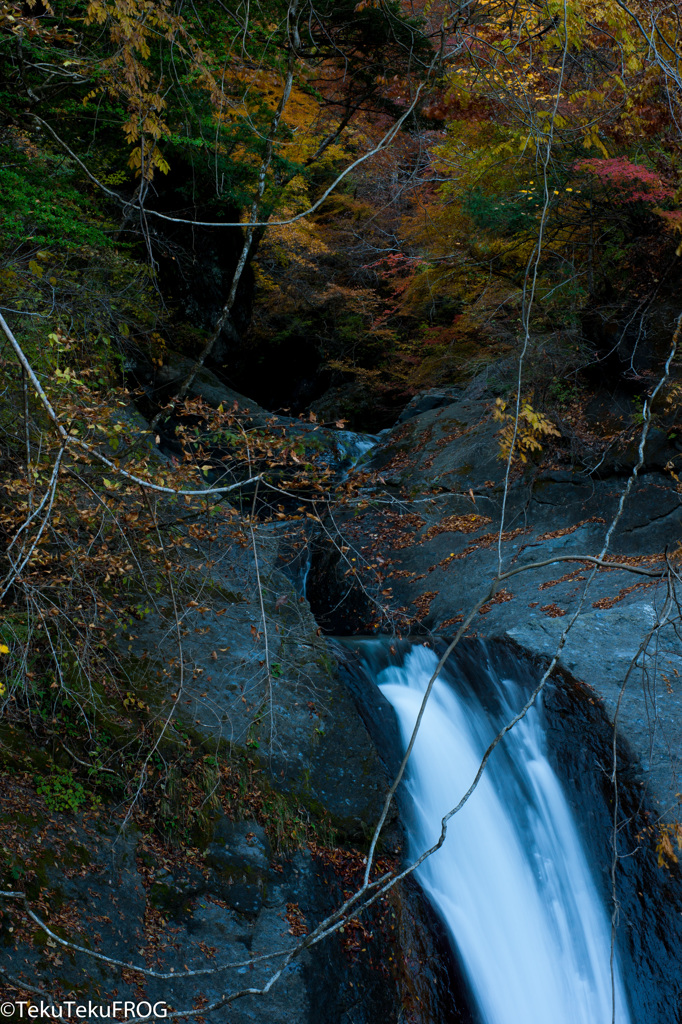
x,y
257,678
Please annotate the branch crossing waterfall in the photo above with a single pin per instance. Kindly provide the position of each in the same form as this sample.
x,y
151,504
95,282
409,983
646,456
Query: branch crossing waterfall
x,y
511,882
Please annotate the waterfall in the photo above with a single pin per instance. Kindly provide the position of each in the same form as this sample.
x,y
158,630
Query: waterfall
x,y
511,882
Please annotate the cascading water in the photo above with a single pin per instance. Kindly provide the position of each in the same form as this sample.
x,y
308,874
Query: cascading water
x,y
511,882
352,448
347,451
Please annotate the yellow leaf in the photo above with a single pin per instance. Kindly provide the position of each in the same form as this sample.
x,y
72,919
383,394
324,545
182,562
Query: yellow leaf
x,y
162,164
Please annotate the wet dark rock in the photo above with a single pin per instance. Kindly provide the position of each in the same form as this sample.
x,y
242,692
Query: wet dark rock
x,y
311,742
241,845
436,398
451,447
649,922
171,891
244,928
433,983
245,899
176,368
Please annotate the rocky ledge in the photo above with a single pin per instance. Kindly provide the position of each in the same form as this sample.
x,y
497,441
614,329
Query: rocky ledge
x,y
421,548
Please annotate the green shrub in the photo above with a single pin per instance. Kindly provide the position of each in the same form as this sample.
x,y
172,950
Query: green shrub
x,y
62,792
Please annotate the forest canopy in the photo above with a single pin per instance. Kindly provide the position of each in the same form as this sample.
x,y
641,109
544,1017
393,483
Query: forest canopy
x,y
405,158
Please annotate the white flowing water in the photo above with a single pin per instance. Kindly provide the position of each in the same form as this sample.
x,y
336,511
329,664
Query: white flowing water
x,y
511,882
352,448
